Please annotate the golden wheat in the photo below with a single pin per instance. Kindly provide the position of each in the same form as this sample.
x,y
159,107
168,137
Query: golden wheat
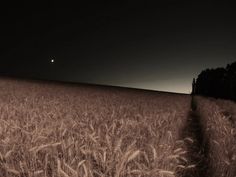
x,y
58,131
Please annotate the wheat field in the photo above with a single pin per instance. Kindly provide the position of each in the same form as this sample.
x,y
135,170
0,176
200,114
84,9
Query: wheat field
x,y
62,130
67,131
220,136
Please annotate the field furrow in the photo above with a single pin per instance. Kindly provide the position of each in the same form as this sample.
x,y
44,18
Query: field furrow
x,y
196,145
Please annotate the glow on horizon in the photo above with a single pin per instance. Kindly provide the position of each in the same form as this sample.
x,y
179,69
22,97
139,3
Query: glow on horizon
x,y
180,87
185,88
183,85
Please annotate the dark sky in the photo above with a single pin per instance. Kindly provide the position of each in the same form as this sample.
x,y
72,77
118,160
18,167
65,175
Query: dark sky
x,y
140,44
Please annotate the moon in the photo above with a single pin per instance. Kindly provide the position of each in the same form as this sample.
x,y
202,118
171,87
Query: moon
x,y
52,60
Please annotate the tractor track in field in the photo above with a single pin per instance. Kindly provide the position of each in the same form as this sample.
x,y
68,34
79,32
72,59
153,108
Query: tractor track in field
x,y
196,146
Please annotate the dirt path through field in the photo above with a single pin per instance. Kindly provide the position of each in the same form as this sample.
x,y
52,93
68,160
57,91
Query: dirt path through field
x,y
196,145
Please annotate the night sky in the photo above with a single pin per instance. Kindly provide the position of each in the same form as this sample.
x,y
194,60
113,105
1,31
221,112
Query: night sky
x,y
137,44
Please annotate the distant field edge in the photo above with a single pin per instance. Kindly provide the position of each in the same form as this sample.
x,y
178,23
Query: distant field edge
x,y
70,83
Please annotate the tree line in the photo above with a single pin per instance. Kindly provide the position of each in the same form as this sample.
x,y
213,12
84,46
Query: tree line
x,y
218,83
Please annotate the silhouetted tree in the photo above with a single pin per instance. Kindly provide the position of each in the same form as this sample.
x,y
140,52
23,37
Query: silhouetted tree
x,y
194,86
231,70
219,82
